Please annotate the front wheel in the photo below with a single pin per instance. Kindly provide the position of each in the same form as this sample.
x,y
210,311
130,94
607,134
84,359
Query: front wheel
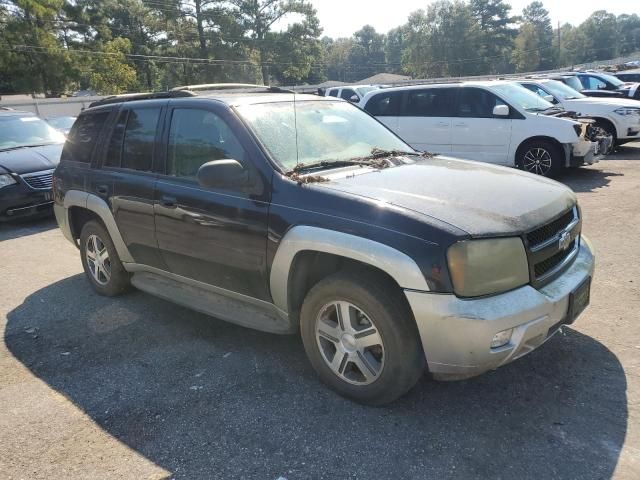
x,y
541,157
361,338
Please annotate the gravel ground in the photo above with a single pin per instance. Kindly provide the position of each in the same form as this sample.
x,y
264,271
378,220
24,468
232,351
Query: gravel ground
x,y
136,387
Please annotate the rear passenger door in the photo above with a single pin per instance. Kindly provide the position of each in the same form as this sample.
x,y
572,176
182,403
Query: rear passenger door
x,y
217,236
476,133
425,120
128,180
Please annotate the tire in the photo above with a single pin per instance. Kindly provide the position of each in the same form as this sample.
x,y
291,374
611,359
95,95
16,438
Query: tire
x,y
393,360
549,158
111,278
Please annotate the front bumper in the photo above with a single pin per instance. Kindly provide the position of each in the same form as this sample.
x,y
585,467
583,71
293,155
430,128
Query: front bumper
x,y
20,201
456,333
584,152
629,128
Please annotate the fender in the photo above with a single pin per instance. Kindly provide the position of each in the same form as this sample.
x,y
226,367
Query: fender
x,y
402,268
76,198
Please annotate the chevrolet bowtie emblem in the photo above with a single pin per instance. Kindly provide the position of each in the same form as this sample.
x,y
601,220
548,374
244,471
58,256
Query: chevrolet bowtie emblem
x,y
565,241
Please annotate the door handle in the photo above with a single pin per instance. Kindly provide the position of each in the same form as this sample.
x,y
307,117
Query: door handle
x,y
169,202
460,125
102,190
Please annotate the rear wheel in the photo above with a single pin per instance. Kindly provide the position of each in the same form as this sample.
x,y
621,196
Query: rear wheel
x,y
101,262
361,338
541,157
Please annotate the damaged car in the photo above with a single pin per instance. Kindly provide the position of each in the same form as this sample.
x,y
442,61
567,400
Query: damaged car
x,y
492,121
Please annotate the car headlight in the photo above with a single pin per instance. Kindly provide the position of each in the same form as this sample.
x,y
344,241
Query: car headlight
x,y
624,111
6,180
487,266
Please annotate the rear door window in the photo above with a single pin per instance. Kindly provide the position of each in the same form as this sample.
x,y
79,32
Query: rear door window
x,y
477,103
592,83
333,92
83,137
430,102
139,138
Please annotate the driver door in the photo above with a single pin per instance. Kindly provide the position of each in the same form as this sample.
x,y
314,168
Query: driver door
x,y
215,236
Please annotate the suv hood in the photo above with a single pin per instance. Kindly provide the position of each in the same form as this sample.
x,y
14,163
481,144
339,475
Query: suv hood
x,y
481,199
614,102
31,159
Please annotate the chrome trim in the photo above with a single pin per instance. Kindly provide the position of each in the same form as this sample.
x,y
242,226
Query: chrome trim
x,y
556,237
25,176
568,259
398,265
12,211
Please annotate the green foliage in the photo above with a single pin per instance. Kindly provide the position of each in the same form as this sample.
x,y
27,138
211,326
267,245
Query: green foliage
x,y
114,46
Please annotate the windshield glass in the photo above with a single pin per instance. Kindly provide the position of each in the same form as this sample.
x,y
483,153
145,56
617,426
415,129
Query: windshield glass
x,y
518,95
616,82
362,91
574,83
560,90
326,131
63,123
27,131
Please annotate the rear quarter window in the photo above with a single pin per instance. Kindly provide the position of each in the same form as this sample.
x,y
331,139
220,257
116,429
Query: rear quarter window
x,y
83,137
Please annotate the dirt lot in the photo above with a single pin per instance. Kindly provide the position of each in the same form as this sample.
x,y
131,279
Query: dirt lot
x,y
139,388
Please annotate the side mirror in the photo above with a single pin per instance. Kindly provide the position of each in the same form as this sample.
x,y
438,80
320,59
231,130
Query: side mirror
x,y
354,99
222,174
550,98
501,111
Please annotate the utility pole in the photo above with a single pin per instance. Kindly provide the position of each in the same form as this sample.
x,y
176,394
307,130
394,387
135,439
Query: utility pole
x,y
559,43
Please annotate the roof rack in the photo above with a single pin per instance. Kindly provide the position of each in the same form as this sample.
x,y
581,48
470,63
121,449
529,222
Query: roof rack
x,y
229,86
216,86
131,97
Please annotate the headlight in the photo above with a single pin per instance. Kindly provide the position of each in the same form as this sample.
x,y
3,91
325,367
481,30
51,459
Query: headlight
x,y
6,180
624,111
486,266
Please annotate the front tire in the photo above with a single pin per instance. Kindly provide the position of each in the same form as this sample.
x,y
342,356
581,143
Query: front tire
x,y
361,338
101,262
541,157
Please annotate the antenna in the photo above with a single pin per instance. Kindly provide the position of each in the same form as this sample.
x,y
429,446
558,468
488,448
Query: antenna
x,y
295,124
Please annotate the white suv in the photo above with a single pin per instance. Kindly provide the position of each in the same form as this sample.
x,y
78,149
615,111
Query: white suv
x,y
351,93
619,117
496,122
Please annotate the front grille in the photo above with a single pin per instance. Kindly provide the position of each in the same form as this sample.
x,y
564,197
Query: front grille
x,y
550,230
552,262
39,180
547,254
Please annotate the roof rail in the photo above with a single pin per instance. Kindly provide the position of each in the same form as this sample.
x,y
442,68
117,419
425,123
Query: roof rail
x,y
131,97
216,86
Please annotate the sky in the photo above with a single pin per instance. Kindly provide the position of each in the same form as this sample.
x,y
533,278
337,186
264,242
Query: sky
x,y
341,18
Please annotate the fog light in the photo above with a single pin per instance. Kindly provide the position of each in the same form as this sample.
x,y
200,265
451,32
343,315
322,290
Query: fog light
x,y
501,338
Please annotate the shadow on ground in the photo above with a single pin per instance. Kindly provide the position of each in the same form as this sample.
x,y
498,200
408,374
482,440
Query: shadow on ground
x,y
26,227
207,399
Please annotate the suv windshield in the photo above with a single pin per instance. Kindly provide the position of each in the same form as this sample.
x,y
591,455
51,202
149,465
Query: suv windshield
x,y
326,132
616,82
27,131
560,90
518,95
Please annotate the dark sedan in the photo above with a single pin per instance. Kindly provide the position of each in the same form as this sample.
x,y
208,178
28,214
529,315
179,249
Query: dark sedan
x,y
29,151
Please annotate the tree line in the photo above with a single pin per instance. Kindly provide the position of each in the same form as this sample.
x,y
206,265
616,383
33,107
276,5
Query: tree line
x,y
116,46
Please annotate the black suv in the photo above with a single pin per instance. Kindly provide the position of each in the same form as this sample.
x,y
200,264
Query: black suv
x,y
29,151
296,213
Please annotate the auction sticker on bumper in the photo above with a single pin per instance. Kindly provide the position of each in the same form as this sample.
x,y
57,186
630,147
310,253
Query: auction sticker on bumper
x,y
579,300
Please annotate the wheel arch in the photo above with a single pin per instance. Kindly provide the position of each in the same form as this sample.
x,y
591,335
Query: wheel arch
x,y
609,123
537,138
81,207
308,254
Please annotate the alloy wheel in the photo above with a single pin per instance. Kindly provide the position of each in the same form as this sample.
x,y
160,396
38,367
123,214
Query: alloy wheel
x,y
537,160
350,343
98,260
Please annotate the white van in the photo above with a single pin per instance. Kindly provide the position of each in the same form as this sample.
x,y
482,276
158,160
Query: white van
x,y
495,121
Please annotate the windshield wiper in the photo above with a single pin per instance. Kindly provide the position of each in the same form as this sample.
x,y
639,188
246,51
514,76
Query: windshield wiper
x,y
17,147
